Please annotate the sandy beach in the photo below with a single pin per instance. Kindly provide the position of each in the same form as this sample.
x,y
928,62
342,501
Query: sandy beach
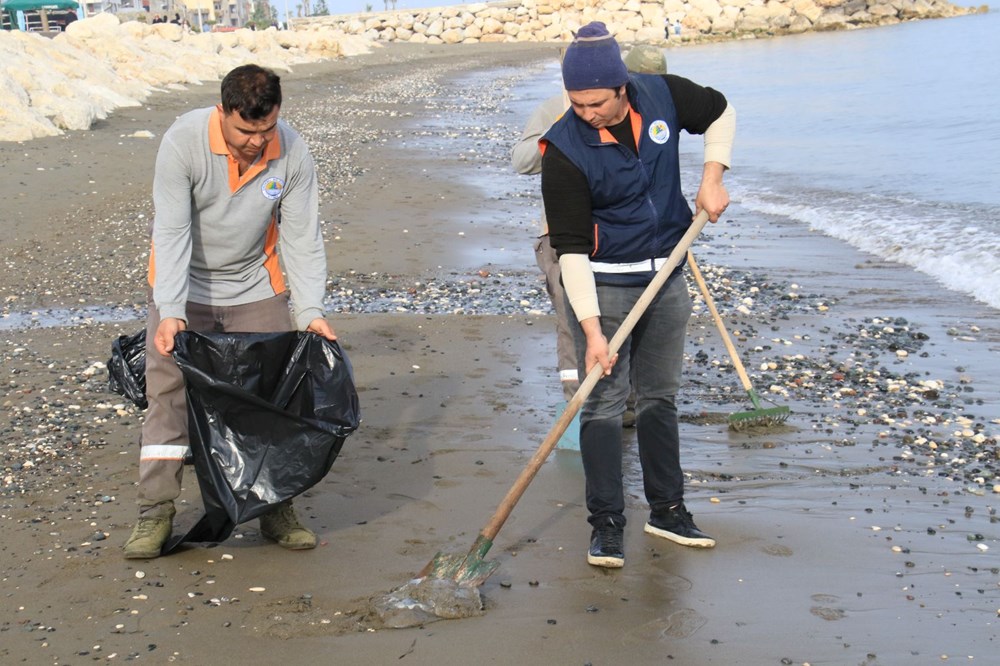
x,y
864,531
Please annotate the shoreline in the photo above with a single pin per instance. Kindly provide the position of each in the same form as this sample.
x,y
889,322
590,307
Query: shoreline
x,y
843,538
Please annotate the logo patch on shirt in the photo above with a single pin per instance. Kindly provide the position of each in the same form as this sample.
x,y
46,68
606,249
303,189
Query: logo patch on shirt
x,y
659,132
272,188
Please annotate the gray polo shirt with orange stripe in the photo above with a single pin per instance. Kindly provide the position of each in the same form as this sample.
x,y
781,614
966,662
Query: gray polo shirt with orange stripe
x,y
216,233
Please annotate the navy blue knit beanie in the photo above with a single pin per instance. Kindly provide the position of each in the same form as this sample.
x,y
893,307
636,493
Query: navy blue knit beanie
x,y
593,60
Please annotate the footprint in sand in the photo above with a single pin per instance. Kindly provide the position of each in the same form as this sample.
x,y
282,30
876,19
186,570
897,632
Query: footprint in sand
x,y
825,598
825,611
830,614
777,550
679,624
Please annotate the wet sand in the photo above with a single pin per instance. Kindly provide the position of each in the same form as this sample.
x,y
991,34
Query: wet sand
x,y
862,532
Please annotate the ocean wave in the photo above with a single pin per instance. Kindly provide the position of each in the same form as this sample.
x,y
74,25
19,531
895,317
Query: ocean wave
x,y
957,244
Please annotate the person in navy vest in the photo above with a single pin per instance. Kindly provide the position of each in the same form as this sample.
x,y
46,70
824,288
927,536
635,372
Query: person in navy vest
x,y
611,189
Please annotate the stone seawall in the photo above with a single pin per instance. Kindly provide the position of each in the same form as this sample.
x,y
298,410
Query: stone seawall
x,y
628,20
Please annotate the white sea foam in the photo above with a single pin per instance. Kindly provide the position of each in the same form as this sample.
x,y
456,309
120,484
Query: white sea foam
x,y
934,238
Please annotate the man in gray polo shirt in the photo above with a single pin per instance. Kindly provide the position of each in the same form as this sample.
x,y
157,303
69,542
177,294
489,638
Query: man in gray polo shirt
x,y
230,181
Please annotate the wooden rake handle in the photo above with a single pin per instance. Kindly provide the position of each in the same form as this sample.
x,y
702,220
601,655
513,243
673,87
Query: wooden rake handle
x,y
733,354
503,511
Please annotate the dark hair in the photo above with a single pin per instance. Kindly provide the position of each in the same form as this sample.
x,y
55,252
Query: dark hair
x,y
252,91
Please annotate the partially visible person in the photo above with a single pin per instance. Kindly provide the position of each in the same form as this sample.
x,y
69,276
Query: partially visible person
x,y
527,160
646,59
230,181
612,193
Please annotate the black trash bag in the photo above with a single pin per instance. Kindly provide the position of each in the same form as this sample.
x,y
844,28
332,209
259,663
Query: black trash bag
x,y
268,414
127,368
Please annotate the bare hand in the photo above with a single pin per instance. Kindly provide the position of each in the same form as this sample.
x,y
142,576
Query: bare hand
x,y
322,327
165,333
598,354
712,196
597,347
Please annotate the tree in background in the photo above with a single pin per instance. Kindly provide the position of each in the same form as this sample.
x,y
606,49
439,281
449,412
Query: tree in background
x,y
264,16
321,9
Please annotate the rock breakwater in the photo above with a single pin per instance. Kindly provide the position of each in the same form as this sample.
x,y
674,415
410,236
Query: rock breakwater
x,y
628,20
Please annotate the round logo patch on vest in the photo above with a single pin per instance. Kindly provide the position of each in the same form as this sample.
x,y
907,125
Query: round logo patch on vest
x,y
659,132
272,188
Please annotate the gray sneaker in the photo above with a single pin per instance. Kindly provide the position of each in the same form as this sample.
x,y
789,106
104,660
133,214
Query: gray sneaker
x,y
283,526
149,535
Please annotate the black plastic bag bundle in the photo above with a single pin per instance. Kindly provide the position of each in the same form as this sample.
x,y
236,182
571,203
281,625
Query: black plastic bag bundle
x,y
127,368
268,414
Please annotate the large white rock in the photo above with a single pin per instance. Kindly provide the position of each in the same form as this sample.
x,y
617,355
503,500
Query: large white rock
x,y
709,8
453,36
492,26
807,8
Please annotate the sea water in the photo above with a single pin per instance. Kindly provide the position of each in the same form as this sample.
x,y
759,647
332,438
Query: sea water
x,y
886,138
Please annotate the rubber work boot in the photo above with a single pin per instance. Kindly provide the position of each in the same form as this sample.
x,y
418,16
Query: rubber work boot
x,y
149,534
283,526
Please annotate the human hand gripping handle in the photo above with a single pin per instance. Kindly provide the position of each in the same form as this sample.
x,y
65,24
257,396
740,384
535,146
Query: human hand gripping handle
x,y
712,196
597,346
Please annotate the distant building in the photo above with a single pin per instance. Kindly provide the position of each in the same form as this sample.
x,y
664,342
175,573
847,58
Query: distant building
x,y
198,13
111,6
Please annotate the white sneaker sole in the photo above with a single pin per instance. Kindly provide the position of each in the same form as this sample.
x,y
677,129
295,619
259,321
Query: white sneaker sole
x,y
706,542
606,562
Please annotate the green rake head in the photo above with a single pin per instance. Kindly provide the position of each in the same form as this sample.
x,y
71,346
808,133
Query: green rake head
x,y
759,416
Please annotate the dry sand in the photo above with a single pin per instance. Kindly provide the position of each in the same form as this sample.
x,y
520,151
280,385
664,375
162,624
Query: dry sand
x,y
843,538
